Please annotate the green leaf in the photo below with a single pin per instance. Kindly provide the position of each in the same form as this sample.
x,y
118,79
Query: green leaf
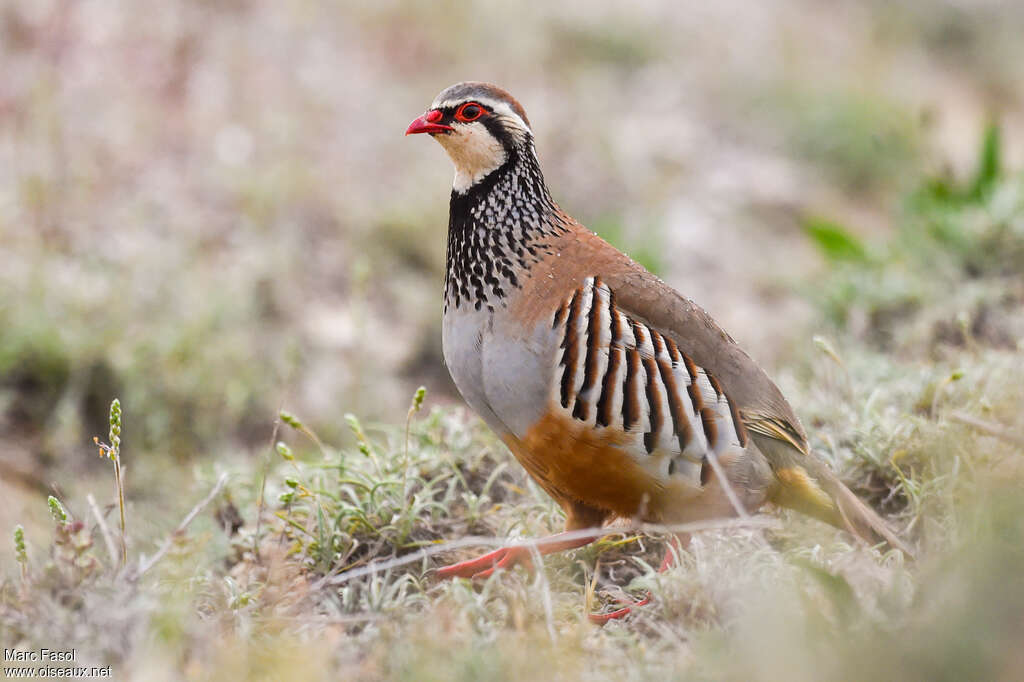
x,y
323,538
834,241
989,163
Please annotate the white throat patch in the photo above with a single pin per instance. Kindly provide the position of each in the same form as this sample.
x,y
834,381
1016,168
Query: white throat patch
x,y
474,151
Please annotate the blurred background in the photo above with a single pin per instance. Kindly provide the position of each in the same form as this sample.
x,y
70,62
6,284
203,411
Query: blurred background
x,y
208,209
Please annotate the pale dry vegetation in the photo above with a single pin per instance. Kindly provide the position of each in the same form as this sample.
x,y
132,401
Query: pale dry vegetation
x,y
207,210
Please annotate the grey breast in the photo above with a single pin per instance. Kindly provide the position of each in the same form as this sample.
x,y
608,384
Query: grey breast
x,y
502,373
463,333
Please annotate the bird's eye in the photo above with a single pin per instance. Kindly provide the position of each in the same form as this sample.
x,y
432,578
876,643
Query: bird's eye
x,y
469,112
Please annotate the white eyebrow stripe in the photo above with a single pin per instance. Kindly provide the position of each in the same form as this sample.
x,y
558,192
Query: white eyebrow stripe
x,y
496,105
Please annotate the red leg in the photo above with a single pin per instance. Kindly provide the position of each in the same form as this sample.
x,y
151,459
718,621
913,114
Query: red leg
x,y
507,557
676,542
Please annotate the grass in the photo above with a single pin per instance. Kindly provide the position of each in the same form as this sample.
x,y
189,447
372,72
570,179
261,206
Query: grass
x,y
865,143
316,561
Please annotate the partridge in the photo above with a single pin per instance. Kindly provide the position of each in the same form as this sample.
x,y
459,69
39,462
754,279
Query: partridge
x,y
620,397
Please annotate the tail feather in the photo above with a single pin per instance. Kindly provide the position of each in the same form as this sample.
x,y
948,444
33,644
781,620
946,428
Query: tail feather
x,y
806,484
857,517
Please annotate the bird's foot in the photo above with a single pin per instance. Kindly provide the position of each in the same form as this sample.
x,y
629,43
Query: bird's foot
x,y
484,566
676,542
602,618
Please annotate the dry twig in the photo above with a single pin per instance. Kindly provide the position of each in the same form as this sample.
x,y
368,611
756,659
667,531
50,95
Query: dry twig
x,y
108,539
988,428
145,566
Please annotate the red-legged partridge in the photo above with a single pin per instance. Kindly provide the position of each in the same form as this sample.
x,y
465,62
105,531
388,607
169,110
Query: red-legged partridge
x,y
619,396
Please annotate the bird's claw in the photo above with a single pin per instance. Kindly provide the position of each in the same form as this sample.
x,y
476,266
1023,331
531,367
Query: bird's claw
x,y
602,618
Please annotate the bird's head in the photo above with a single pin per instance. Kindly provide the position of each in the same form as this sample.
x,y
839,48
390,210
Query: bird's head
x,y
480,126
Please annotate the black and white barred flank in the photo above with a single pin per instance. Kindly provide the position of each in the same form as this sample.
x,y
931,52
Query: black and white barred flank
x,y
616,372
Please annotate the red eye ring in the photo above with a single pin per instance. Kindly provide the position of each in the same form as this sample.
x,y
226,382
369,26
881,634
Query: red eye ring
x,y
468,112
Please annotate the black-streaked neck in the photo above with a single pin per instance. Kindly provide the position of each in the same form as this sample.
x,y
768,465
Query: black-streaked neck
x,y
497,228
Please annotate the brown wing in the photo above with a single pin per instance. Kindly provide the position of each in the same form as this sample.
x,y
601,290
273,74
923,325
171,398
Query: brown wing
x,y
804,482
648,300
